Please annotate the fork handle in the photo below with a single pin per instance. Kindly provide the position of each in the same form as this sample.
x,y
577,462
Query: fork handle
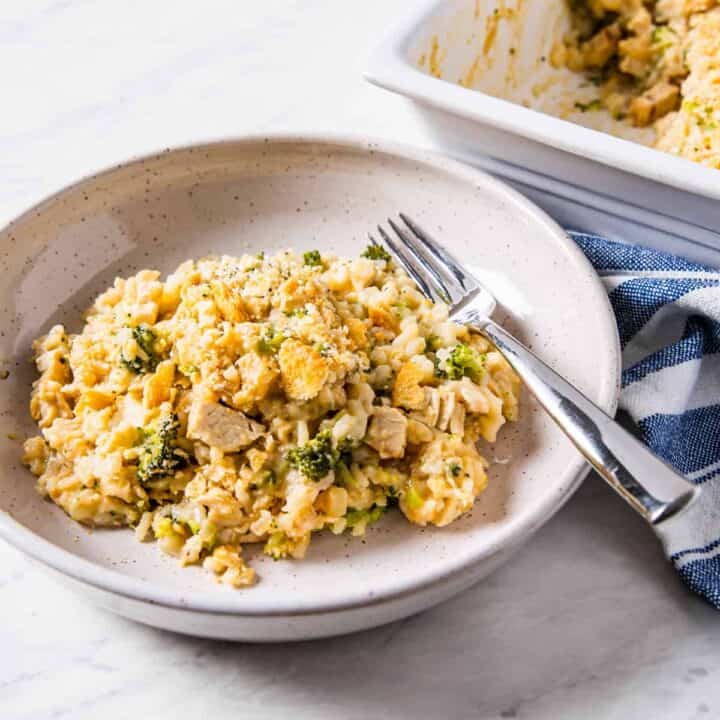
x,y
652,487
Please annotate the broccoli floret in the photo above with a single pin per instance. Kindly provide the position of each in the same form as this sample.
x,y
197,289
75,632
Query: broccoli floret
x,y
271,341
316,458
344,450
376,252
269,479
462,361
413,498
454,468
147,357
324,349
297,312
362,518
592,106
432,343
663,38
278,546
402,309
343,476
194,526
159,455
312,258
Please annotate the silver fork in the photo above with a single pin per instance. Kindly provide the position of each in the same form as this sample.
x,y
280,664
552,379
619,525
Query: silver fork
x,y
652,488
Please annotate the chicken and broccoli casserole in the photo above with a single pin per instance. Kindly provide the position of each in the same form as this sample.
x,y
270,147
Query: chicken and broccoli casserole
x,y
654,62
263,398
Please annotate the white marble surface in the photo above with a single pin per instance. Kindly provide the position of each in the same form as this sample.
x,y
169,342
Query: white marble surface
x,y
587,621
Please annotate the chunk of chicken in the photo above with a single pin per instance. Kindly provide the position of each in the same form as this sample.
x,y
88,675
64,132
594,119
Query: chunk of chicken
x,y
654,103
387,432
221,427
602,46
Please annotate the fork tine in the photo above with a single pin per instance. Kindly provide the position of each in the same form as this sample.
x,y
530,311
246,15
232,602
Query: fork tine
x,y
404,261
463,283
439,283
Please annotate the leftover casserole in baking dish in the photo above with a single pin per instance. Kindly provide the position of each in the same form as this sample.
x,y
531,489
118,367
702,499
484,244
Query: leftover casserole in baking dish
x,y
644,70
653,62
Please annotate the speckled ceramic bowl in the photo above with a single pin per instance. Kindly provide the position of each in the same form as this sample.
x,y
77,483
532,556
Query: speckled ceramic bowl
x,y
258,193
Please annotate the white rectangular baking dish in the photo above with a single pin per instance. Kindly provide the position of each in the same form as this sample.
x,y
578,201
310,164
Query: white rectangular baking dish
x,y
499,49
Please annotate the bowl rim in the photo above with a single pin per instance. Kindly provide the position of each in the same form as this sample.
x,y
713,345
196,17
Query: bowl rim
x,y
513,534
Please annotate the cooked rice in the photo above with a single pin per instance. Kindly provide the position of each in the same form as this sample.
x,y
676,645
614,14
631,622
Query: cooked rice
x,y
261,399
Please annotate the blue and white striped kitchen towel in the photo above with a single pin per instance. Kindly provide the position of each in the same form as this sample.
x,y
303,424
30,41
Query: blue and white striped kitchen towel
x,y
668,316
